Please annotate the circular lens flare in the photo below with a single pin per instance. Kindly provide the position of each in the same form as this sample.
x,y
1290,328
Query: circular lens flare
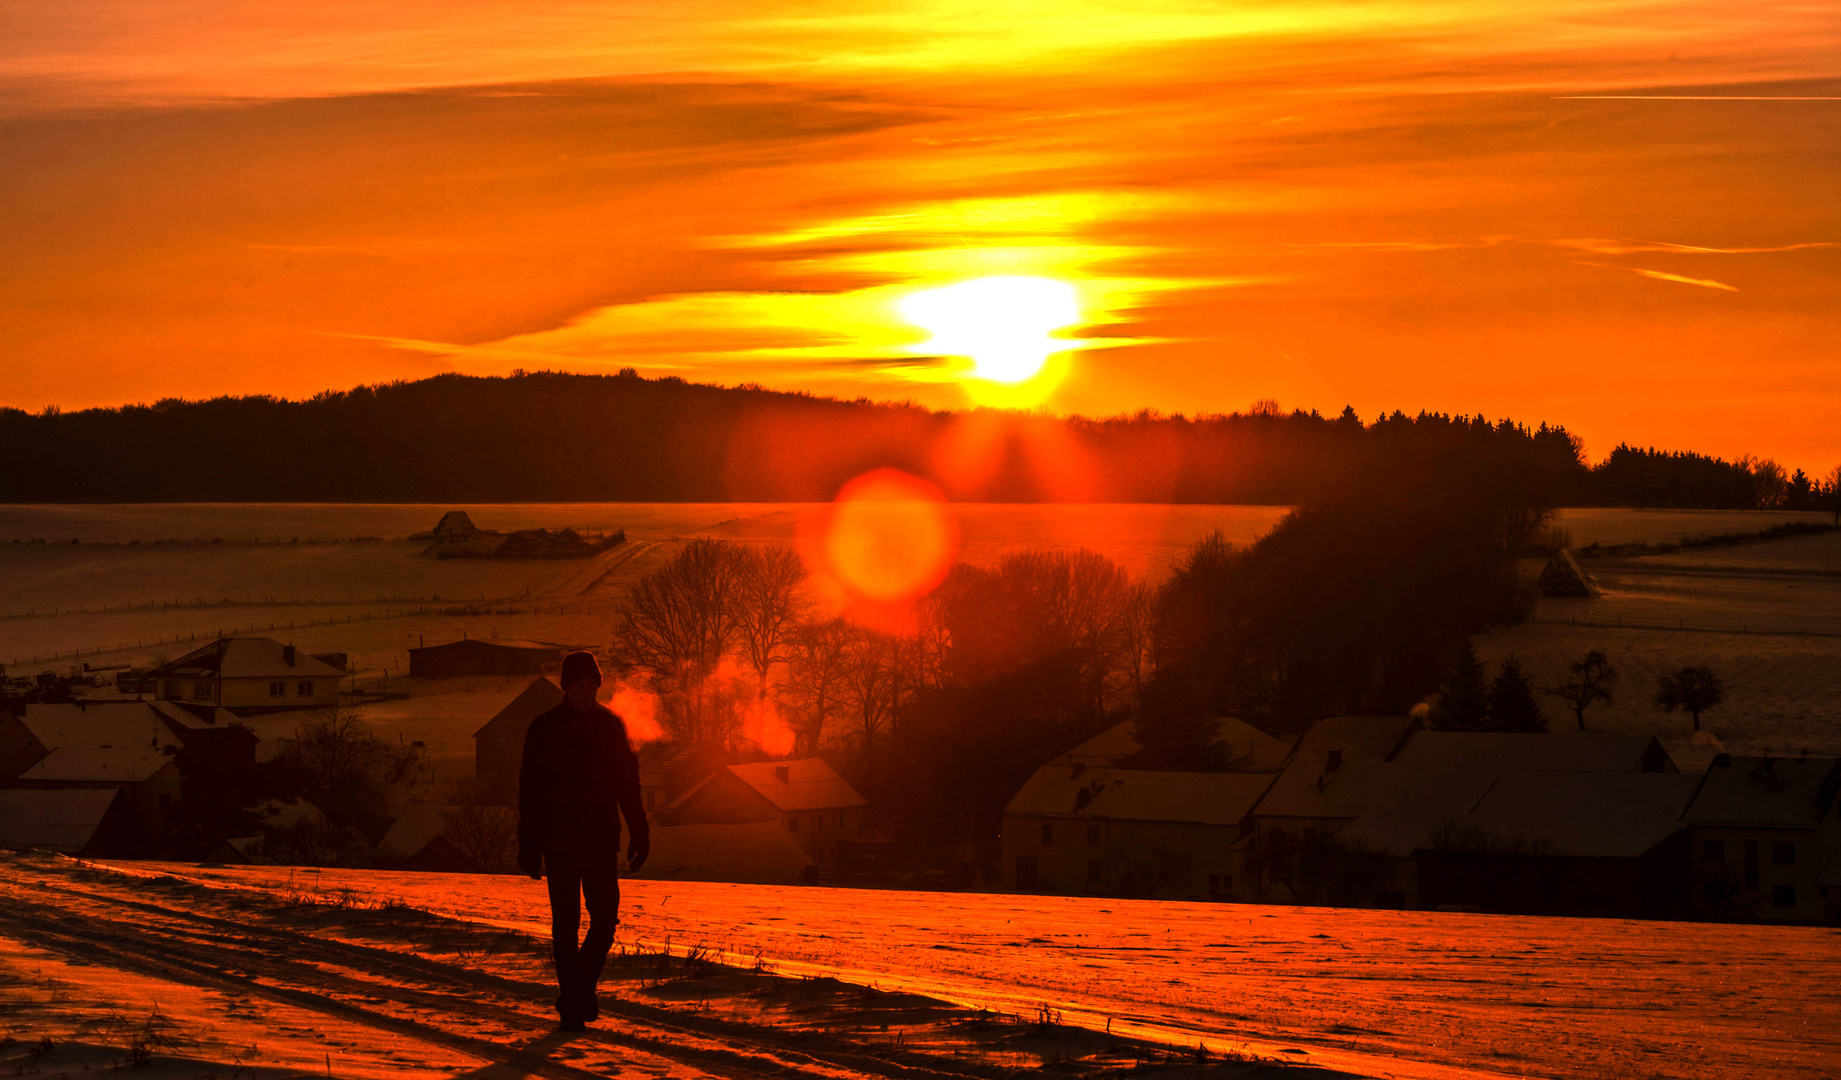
x,y
892,537
1003,324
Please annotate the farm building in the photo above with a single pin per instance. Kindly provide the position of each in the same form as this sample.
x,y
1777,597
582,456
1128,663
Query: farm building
x,y
1361,797
807,798
1566,843
472,656
1173,835
249,675
95,823
1763,831
498,746
35,731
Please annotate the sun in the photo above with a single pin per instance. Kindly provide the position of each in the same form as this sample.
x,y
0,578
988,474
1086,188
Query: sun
x,y
1004,325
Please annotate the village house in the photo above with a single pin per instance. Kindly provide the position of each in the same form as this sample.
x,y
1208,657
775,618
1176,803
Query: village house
x,y
87,823
1762,832
1247,748
1566,843
809,800
1173,835
1342,822
249,675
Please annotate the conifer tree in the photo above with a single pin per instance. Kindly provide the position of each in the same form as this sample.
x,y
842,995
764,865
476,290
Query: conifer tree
x,y
1512,706
1463,696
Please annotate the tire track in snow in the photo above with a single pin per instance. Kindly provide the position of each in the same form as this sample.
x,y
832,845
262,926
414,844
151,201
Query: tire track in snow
x,y
344,964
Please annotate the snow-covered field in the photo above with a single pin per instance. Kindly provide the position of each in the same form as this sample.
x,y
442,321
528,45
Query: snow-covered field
x,y
371,977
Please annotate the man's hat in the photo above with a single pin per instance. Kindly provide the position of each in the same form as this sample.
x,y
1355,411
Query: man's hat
x,y
580,665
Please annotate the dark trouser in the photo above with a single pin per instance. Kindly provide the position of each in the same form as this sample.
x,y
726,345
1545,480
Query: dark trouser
x,y
575,879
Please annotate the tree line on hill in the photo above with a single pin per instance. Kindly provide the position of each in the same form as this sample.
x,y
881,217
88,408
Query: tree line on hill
x,y
559,437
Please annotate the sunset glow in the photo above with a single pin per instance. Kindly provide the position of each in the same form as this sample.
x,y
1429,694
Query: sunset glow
x,y
1318,203
1004,325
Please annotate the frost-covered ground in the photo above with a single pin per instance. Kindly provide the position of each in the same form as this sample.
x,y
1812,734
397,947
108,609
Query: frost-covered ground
x,y
1415,994
129,969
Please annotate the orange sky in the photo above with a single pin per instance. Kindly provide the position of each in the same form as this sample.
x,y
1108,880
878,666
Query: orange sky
x,y
1464,207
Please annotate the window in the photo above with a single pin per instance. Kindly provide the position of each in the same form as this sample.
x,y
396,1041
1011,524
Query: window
x,y
1713,851
278,689
1048,833
201,691
1025,871
304,688
1783,853
1096,834
1783,896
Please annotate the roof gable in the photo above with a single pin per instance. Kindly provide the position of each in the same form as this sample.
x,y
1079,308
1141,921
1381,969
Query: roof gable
x,y
1589,814
61,820
1140,795
537,698
1120,741
246,658
1378,738
112,725
1765,791
88,764
808,784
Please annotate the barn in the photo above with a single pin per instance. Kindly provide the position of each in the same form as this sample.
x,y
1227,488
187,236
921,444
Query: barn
x,y
473,656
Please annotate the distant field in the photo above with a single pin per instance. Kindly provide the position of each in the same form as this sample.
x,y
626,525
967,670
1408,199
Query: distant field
x,y
1768,616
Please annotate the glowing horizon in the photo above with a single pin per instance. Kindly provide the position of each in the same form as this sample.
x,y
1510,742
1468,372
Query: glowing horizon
x,y
1618,217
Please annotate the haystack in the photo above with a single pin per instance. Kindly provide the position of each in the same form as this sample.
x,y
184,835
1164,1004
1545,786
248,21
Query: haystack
x,y
1563,576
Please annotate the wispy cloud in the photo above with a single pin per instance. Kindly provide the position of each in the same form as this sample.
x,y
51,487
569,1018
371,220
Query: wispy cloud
x,y
1663,275
1632,247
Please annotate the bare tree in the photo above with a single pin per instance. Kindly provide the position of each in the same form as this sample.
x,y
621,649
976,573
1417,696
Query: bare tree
x,y
1693,690
768,594
1592,680
486,834
1137,625
675,625
817,665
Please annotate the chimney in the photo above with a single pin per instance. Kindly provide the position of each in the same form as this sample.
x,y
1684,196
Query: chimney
x,y
783,773
287,655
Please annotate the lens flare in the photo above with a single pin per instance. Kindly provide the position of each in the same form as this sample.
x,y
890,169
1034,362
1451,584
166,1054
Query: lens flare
x,y
891,538
1003,324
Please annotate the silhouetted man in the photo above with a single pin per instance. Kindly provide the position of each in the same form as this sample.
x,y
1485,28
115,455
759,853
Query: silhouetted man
x,y
579,776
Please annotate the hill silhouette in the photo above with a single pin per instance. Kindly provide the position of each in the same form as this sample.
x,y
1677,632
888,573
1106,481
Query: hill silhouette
x,y
545,436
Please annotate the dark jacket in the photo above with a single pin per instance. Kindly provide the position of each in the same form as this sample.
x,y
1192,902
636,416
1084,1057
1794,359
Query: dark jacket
x,y
579,776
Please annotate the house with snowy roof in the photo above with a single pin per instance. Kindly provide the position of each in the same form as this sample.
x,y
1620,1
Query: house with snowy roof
x,y
1136,832
1245,747
96,823
1603,843
1765,837
248,675
810,801
1376,794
